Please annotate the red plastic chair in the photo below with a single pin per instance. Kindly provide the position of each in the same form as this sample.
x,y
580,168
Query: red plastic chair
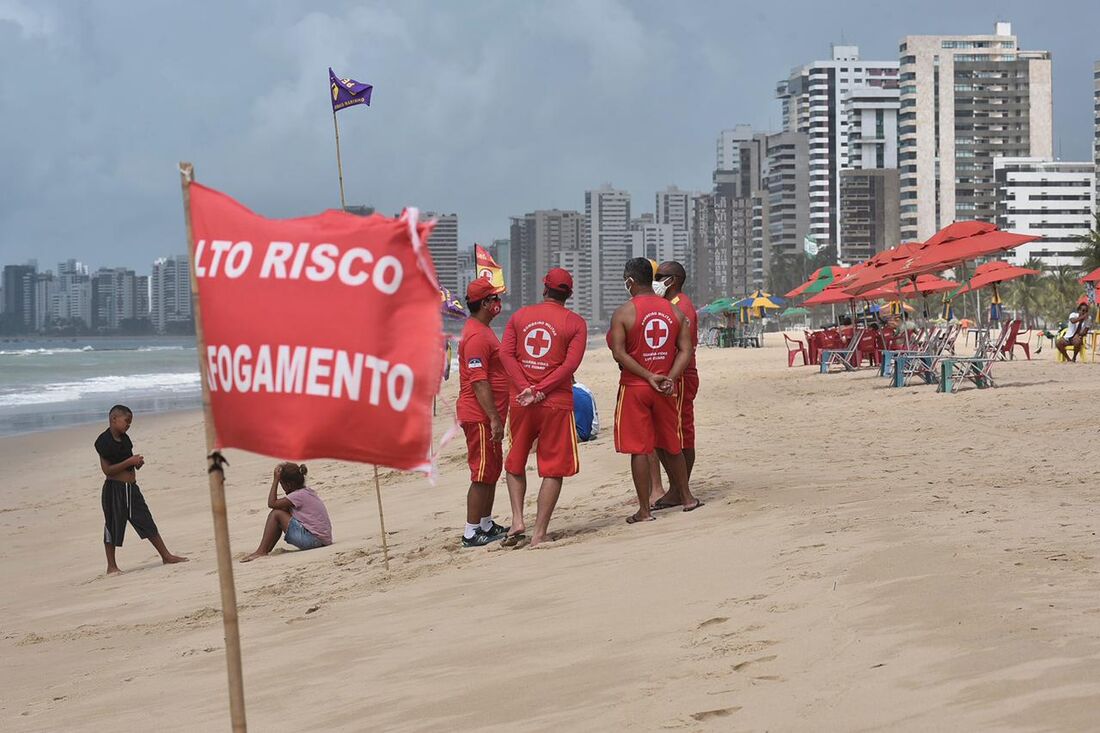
x,y
868,346
1016,337
800,348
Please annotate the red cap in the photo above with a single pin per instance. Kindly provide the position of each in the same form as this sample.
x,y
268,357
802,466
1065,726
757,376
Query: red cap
x,y
482,288
558,279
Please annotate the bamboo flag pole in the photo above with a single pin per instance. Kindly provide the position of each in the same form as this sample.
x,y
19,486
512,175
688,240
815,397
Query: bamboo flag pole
x,y
216,475
381,519
339,163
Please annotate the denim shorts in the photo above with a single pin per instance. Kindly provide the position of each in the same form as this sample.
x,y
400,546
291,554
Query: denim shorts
x,y
301,537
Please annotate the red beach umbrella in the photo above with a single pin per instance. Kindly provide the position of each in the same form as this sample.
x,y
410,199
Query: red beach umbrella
x,y
1092,277
948,248
991,273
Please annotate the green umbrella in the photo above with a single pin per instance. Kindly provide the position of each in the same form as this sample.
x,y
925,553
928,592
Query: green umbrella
x,y
722,305
794,311
825,276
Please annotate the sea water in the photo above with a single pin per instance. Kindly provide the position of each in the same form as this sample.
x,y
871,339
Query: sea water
x,y
51,383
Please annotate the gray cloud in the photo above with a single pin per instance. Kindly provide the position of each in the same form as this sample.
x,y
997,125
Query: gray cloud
x,y
487,108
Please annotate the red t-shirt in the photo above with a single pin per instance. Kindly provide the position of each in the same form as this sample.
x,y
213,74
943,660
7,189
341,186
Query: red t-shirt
x,y
652,341
683,302
478,360
542,348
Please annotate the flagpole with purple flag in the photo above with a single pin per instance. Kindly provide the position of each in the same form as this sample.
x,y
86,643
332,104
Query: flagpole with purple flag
x,y
345,93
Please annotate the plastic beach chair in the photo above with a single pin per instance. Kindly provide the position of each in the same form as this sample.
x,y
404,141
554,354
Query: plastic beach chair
x,y
793,352
926,340
848,357
954,370
1015,338
924,365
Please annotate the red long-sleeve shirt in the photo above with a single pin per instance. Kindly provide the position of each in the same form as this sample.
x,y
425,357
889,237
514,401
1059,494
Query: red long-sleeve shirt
x,y
543,346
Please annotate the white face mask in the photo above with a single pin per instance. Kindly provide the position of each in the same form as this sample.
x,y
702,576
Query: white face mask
x,y
660,287
626,284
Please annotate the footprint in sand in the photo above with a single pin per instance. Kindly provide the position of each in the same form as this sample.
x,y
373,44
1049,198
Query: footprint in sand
x,y
741,665
719,713
713,621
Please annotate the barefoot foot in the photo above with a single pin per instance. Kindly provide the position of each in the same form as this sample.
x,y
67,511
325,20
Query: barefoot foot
x,y
538,539
114,571
173,559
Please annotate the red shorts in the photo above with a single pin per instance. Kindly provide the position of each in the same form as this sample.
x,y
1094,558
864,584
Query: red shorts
x,y
686,392
646,419
485,455
556,433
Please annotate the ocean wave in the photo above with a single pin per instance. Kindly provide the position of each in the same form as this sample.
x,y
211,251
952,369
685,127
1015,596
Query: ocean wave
x,y
45,352
56,392
166,348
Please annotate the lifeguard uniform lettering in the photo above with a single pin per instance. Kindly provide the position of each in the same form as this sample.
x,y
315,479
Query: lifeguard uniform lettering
x,y
542,348
479,360
645,418
689,382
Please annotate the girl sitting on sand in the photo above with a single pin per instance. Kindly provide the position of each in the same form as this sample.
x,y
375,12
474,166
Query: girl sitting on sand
x,y
301,516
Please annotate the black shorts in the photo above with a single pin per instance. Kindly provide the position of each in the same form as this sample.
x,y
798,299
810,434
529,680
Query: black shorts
x,y
122,503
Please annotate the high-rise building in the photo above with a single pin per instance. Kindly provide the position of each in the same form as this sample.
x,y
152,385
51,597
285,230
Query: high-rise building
x,y
19,282
786,183
965,101
72,302
1096,134
872,118
729,147
579,264
467,271
536,243
171,294
45,293
501,252
652,240
721,222
813,99
869,187
608,238
443,244
673,209
118,295
1048,198
868,212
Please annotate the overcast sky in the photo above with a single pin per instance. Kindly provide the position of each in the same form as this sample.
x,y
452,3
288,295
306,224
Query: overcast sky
x,y
487,109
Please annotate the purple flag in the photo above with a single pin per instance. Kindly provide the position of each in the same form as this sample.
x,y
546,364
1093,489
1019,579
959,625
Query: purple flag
x,y
347,92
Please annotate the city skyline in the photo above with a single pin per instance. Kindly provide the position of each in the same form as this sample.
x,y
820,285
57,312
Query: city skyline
x,y
461,123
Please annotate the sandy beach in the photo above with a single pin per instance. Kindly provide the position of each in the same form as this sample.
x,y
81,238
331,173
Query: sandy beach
x,y
868,559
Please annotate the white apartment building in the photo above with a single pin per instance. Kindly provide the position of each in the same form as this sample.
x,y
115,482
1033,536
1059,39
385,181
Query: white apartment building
x,y
467,271
813,99
1049,198
673,208
170,292
652,240
1096,134
871,114
443,244
608,238
729,147
965,101
579,264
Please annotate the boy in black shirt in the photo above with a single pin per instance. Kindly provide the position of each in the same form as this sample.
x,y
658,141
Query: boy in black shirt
x,y
122,499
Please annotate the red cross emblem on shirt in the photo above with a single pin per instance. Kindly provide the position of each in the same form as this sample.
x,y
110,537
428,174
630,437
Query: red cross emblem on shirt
x,y
537,343
656,333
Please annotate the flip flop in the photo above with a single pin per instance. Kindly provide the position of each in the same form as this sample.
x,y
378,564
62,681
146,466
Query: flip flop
x,y
513,539
695,506
662,504
633,519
